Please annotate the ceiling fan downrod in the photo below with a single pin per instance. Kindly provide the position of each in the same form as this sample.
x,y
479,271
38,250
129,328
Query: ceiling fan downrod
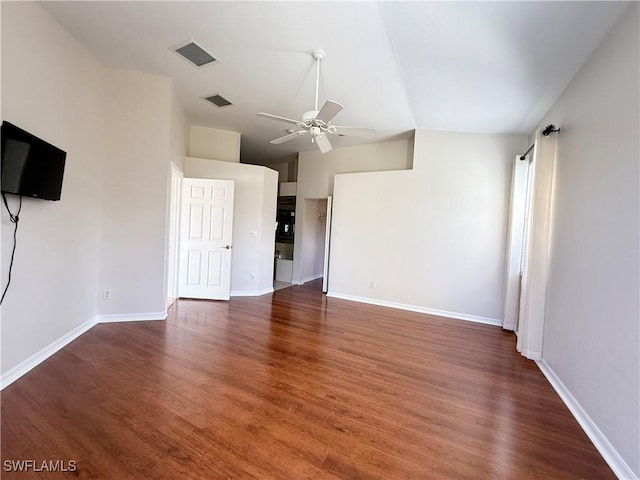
x,y
318,55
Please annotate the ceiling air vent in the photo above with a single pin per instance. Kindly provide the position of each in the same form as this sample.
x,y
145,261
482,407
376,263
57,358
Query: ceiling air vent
x,y
194,54
218,100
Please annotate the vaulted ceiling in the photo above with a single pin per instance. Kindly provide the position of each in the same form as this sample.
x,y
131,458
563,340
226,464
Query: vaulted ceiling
x,y
491,67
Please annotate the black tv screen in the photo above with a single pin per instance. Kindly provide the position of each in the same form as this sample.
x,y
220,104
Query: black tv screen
x,y
31,167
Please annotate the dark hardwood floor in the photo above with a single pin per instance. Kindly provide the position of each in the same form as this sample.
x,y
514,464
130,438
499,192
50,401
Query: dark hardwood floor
x,y
295,386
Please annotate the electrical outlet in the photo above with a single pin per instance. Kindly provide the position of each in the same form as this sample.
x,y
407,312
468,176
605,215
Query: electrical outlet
x,y
253,234
372,284
252,277
106,294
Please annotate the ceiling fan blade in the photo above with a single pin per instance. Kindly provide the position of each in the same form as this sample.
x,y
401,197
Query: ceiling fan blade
x,y
329,110
323,143
288,137
280,119
353,132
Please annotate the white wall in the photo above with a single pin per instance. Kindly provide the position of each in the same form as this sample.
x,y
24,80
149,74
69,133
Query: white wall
x,y
134,193
433,238
316,172
57,95
592,315
254,210
282,169
214,144
120,129
178,145
179,132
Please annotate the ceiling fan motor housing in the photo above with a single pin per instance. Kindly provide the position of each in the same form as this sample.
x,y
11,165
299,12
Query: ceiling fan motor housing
x,y
310,115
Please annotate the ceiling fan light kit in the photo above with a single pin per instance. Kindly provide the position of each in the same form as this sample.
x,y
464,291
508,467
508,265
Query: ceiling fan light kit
x,y
316,122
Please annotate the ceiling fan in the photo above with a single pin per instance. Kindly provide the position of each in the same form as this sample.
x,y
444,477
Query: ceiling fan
x,y
318,122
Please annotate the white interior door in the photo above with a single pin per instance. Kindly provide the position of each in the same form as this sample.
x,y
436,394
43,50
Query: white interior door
x,y
327,238
205,238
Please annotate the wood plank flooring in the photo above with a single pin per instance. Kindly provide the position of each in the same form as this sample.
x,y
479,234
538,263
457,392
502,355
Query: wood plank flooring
x,y
294,385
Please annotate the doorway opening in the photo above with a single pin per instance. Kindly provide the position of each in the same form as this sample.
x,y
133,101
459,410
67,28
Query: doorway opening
x,y
285,238
314,238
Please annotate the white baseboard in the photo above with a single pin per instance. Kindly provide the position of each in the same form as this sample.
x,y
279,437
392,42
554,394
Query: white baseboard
x,y
531,355
252,293
608,452
132,317
37,358
509,326
415,308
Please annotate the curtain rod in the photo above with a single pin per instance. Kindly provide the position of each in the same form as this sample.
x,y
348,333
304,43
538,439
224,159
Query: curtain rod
x,y
549,129
524,155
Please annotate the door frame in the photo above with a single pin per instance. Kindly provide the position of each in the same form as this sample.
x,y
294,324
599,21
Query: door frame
x,y
173,244
327,245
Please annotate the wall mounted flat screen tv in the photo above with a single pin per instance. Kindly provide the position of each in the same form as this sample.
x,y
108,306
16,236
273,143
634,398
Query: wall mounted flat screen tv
x,y
31,167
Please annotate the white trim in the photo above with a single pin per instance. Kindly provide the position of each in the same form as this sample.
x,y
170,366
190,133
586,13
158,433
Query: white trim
x,y
608,452
132,317
252,293
172,257
327,245
529,354
37,358
311,278
175,168
415,308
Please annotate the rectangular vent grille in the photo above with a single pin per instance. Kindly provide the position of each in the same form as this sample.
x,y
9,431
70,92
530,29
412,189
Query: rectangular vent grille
x,y
218,100
194,54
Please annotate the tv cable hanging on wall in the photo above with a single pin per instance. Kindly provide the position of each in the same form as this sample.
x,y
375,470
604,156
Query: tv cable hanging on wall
x,y
15,218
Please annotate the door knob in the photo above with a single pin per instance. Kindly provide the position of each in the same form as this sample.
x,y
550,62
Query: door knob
x,y
228,247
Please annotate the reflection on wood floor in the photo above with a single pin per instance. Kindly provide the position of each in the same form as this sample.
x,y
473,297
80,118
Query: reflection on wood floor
x,y
278,285
294,385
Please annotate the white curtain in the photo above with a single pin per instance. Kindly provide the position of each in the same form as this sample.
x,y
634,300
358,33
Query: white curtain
x,y
530,322
516,244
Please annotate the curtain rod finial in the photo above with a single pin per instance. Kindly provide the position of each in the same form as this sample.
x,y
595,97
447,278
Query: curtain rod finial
x,y
549,129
